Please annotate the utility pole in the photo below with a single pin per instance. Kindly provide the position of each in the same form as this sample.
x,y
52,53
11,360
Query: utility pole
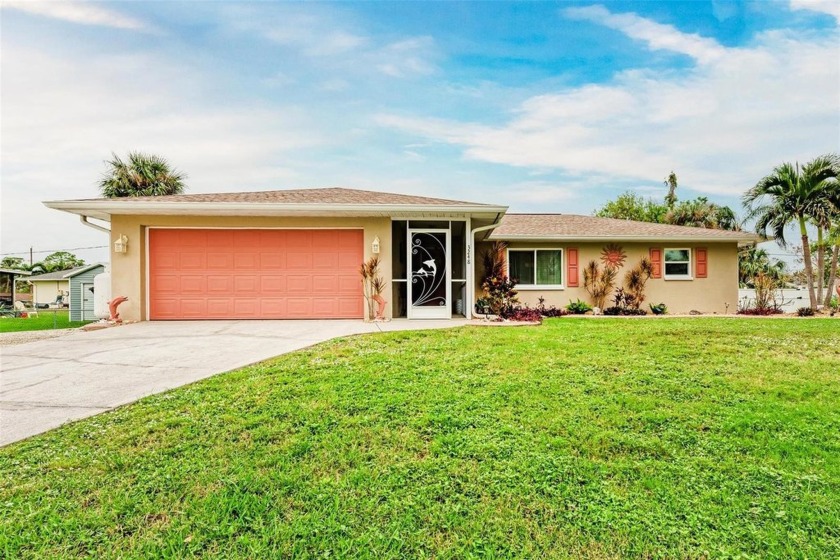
x,y
30,256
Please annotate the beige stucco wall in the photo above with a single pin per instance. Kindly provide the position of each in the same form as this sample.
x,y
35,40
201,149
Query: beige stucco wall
x,y
47,291
128,270
708,295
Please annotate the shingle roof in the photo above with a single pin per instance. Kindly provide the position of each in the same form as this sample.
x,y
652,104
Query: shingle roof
x,y
571,226
63,274
332,195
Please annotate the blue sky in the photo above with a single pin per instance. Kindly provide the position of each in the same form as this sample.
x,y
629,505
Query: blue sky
x,y
542,106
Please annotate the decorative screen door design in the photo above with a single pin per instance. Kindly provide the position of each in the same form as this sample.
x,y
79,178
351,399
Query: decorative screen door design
x,y
429,285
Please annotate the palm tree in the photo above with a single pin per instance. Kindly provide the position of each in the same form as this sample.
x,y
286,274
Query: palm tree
x,y
702,213
793,194
753,261
142,175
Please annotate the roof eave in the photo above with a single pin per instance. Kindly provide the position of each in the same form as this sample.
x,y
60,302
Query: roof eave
x,y
105,209
706,239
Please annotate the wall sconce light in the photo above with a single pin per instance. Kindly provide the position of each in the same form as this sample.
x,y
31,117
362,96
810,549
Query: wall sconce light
x,y
121,244
374,247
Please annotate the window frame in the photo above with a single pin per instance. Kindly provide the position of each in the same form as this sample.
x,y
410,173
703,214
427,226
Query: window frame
x,y
689,262
534,250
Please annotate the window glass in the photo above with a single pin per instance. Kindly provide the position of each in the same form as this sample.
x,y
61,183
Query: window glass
x,y
521,266
676,255
549,267
677,262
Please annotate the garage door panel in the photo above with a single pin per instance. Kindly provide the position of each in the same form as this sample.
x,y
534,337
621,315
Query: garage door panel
x,y
192,238
220,307
349,284
192,261
324,284
221,274
246,261
193,284
246,285
192,308
273,307
165,283
219,285
219,260
274,284
219,238
272,261
298,261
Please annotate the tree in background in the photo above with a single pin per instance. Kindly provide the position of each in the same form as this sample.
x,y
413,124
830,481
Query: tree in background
x,y
14,263
141,175
699,212
795,194
753,261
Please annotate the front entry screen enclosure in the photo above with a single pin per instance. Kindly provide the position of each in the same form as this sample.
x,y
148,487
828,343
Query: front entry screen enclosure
x,y
429,285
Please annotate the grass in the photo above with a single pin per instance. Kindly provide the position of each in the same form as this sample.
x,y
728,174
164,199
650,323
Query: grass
x,y
680,438
46,319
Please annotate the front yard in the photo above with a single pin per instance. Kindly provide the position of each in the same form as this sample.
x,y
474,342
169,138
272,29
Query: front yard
x,y
605,438
44,320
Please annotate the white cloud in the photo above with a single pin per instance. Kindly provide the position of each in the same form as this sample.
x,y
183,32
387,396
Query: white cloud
x,y
658,36
830,7
61,119
85,13
720,125
406,58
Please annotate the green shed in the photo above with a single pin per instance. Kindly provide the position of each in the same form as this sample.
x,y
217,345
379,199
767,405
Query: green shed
x,y
81,292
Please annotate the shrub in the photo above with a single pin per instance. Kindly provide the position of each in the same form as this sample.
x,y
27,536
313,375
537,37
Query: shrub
x,y
578,307
757,311
659,309
616,310
634,283
550,311
525,314
805,312
498,288
599,282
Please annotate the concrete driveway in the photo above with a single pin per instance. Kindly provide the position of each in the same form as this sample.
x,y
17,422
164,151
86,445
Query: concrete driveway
x,y
46,383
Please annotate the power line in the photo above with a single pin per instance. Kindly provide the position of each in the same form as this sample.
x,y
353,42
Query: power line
x,y
52,250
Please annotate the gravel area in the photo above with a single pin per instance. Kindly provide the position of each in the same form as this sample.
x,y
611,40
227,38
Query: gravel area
x,y
10,338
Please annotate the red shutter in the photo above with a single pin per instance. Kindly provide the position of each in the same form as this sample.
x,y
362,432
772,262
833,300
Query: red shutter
x,y
701,257
656,261
572,270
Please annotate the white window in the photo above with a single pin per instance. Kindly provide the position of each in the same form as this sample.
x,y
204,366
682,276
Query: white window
x,y
678,264
536,268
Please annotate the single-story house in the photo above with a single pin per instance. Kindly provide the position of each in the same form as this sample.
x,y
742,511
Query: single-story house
x,y
8,286
72,285
296,254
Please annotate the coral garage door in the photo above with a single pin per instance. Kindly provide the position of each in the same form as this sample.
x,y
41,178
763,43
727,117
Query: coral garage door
x,y
255,274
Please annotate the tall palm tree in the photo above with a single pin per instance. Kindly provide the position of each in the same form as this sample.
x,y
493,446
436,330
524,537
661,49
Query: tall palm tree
x,y
793,194
142,175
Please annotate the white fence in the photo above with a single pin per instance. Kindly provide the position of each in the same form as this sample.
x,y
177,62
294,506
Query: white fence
x,y
788,300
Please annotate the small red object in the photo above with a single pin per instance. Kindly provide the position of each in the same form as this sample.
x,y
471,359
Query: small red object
x,y
112,307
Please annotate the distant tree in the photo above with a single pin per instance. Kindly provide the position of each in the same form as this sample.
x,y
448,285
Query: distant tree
x,y
60,260
14,263
631,206
141,175
753,261
671,183
702,213
795,194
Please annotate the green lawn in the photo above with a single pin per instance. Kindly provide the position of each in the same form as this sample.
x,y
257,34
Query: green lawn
x,y
45,320
605,438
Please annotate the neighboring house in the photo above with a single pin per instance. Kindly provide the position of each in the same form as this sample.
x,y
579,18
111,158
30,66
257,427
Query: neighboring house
x,y
74,284
296,254
8,286
47,288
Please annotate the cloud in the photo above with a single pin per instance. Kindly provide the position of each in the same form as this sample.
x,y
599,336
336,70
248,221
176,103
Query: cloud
x,y
85,13
62,118
406,58
720,125
830,7
658,36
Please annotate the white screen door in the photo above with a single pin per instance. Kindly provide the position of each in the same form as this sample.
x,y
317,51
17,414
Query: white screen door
x,y
429,286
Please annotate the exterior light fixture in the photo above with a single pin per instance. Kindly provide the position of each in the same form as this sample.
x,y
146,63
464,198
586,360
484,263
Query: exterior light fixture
x,y
121,244
374,247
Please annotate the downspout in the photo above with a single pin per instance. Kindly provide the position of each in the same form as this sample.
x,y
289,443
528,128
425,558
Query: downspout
x,y
85,221
471,268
